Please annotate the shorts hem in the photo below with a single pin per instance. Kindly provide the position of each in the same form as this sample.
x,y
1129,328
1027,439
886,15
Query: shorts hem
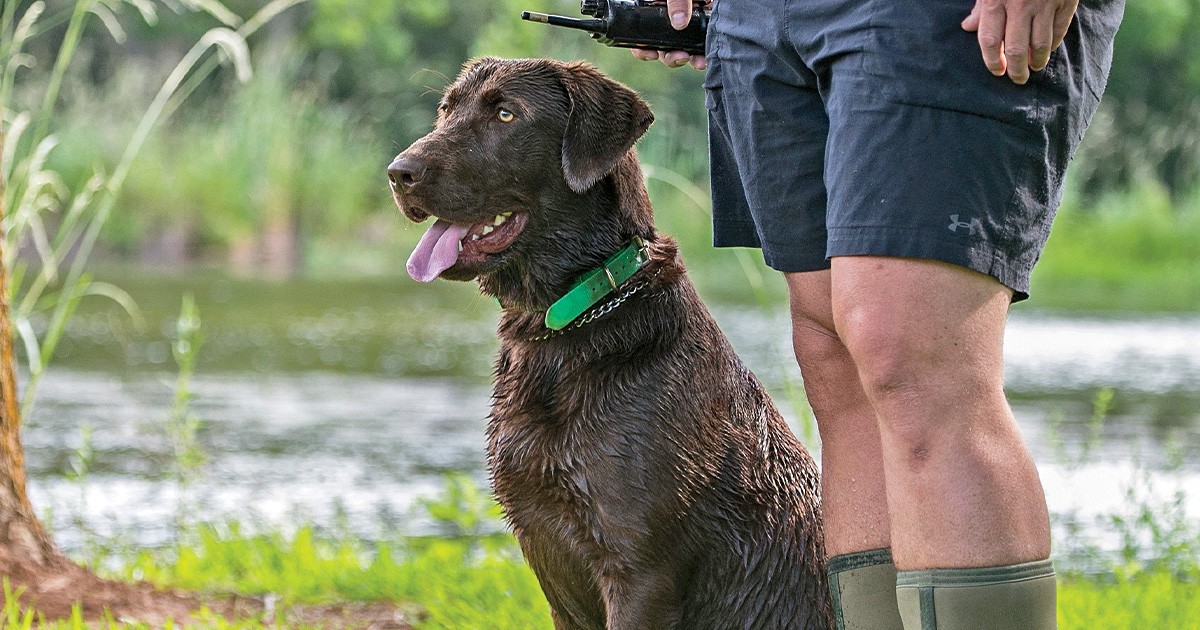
x,y
980,256
794,258
727,233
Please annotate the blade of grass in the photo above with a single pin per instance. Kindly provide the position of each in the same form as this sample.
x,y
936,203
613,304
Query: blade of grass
x,y
66,52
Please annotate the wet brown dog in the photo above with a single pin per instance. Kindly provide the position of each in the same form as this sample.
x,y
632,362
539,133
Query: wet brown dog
x,y
649,479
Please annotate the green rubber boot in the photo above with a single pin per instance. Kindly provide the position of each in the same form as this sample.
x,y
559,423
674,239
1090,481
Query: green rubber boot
x,y
1014,597
863,587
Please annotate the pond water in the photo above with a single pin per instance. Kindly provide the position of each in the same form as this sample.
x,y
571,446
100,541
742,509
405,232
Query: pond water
x,y
356,410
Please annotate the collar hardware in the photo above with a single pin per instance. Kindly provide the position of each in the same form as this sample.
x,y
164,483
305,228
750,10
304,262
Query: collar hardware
x,y
611,281
594,285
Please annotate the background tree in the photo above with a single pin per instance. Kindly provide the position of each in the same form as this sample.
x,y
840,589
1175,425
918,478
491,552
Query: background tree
x,y
1148,129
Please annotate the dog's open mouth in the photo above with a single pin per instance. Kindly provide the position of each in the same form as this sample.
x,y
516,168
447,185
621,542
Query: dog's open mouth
x,y
446,244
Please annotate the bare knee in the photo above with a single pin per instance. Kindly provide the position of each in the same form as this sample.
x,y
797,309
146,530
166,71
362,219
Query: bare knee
x,y
815,347
809,296
914,326
831,379
893,363
925,387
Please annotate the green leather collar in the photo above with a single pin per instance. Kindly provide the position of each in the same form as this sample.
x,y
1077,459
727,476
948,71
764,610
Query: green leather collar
x,y
592,286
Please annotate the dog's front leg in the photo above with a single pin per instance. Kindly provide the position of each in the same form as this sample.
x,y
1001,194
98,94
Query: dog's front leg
x,y
642,600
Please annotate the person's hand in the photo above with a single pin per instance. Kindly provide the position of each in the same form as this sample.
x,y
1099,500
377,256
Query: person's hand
x,y
681,13
1016,36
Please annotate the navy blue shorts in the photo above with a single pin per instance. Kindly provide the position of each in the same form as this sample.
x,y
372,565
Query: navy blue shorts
x,y
872,127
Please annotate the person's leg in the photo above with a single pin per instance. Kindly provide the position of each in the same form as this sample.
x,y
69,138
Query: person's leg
x,y
862,578
853,503
962,490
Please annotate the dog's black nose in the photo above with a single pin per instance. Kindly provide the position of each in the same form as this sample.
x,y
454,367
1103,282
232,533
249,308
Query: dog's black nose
x,y
406,172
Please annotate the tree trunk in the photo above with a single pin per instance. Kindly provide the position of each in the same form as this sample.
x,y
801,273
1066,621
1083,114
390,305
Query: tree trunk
x,y
22,536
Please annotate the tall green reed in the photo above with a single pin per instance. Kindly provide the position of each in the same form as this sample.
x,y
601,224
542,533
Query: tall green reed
x,y
42,213
183,426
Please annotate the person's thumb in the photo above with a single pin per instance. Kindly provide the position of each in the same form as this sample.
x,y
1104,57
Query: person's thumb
x,y
680,12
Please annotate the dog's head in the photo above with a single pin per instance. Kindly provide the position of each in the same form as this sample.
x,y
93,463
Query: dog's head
x,y
513,166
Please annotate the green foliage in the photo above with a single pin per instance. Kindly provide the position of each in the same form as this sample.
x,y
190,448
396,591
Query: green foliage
x,y
270,155
1102,403
456,583
1155,534
182,427
471,580
482,581
1130,602
455,587
384,57
347,84
1149,126
35,196
1133,249
463,508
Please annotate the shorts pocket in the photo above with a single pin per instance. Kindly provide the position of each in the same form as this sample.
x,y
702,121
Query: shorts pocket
x,y
712,75
712,86
916,53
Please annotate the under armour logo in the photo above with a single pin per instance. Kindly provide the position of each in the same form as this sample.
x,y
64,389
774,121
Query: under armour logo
x,y
971,226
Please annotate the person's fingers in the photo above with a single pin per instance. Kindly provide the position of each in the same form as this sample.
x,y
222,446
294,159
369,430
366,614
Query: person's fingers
x,y
971,23
675,58
992,24
1062,21
680,12
672,59
1016,47
1041,39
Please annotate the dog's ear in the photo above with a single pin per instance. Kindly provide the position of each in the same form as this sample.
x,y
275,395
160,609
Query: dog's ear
x,y
605,119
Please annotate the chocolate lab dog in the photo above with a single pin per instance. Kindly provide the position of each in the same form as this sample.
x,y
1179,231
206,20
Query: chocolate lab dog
x,y
648,478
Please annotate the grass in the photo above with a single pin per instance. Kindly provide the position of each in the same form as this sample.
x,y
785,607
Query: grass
x,y
1150,600
472,578
1145,600
483,582
458,583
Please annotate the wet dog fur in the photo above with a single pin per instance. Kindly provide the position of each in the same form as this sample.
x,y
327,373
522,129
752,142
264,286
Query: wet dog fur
x,y
649,479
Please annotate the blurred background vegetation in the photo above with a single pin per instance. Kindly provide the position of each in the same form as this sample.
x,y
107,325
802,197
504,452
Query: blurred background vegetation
x,y
330,383
283,177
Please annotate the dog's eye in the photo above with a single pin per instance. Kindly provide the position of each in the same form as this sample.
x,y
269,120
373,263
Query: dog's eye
x,y
505,116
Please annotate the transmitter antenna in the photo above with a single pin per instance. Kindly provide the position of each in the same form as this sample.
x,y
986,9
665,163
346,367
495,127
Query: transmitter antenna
x,y
591,26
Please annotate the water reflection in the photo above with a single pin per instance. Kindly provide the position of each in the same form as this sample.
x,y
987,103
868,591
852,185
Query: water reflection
x,y
344,408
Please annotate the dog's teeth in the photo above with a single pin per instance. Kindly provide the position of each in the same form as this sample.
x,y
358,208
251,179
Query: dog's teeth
x,y
474,237
506,214
500,218
488,229
460,247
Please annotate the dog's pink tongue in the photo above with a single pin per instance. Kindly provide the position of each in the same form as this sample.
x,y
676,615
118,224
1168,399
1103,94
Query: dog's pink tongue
x,y
437,251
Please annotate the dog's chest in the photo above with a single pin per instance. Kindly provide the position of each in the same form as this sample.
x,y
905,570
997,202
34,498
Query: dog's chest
x,y
567,460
